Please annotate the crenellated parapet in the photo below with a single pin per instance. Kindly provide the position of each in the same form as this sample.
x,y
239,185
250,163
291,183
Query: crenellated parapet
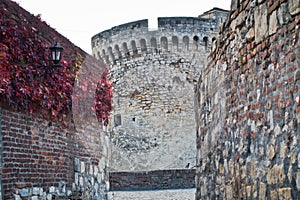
x,y
154,73
179,35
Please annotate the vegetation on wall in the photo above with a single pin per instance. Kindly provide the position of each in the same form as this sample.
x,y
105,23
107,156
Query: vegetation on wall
x,y
27,80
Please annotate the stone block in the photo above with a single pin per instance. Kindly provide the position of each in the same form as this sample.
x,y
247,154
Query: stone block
x,y
24,192
276,175
82,167
91,170
96,170
52,189
277,130
261,22
249,191
49,197
298,160
250,34
34,198
76,178
262,191
283,149
298,180
17,197
100,177
294,7
76,165
253,170
282,16
273,23
36,191
285,193
81,182
273,195
229,193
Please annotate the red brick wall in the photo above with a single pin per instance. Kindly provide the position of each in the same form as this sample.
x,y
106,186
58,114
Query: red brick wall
x,y
34,152
39,153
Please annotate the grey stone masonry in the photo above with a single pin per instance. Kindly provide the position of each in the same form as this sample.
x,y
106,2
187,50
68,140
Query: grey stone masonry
x,y
154,73
248,105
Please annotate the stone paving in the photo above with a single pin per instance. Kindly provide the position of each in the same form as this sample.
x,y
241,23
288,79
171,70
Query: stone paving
x,y
186,194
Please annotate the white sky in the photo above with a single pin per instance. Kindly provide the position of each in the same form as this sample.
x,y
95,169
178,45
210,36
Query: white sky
x,y
80,20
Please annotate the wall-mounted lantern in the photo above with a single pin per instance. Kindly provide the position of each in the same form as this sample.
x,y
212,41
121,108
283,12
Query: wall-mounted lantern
x,y
56,53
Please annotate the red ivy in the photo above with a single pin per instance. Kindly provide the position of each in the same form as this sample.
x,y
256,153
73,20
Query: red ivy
x,y
28,83
103,100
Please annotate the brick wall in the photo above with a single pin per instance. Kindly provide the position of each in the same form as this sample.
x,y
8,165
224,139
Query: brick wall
x,y
41,159
1,163
47,159
152,180
248,106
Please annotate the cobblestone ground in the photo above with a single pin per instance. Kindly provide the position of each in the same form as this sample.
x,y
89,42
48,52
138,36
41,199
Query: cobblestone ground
x,y
186,194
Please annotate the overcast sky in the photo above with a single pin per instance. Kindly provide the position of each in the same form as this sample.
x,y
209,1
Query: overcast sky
x,y
80,20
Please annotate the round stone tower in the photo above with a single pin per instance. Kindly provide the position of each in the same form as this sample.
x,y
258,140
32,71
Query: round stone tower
x,y
153,73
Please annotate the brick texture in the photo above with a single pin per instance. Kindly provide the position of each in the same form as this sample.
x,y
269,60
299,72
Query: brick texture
x,y
248,136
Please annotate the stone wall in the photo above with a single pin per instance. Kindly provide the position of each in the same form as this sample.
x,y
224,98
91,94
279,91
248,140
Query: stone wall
x,y
248,105
154,75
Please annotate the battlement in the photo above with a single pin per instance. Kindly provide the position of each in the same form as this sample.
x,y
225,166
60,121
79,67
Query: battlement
x,y
174,34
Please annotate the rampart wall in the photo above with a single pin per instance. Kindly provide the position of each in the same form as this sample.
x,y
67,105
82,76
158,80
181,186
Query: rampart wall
x,y
248,112
52,159
154,73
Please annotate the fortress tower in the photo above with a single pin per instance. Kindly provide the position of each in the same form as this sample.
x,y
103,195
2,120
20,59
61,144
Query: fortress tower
x,y
153,75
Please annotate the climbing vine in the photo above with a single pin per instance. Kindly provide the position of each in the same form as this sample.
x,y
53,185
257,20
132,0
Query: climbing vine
x,y
103,99
28,83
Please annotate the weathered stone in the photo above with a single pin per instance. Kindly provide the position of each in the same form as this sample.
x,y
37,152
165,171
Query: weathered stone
x,y
76,165
273,23
250,34
34,198
52,189
271,151
283,15
17,197
77,178
299,160
261,22
91,170
36,191
229,192
249,191
273,194
298,180
25,192
276,175
294,7
262,191
290,174
283,149
253,170
277,130
81,181
49,197
82,167
285,193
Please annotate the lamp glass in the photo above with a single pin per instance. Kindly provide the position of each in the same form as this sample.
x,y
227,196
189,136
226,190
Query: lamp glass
x,y
56,52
